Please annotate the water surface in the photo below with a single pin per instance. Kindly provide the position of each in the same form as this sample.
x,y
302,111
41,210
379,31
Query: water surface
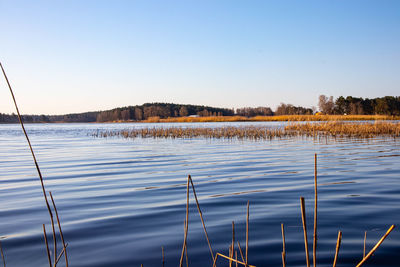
x,y
120,200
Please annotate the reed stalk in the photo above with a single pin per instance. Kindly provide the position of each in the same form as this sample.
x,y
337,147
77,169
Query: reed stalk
x,y
247,233
303,218
215,260
186,256
2,255
365,240
201,218
376,246
230,255
236,258
33,156
47,246
62,253
240,251
233,243
315,213
59,228
163,258
186,222
232,259
283,246
339,240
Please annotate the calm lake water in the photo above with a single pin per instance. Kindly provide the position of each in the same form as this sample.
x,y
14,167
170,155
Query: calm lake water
x,y
120,200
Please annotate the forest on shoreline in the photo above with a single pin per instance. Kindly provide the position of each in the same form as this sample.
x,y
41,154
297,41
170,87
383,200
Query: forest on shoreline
x,y
154,112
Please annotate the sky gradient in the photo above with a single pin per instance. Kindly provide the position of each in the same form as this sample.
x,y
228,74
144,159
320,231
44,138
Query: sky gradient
x,y
75,56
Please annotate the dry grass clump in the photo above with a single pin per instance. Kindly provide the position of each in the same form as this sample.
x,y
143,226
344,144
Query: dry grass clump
x,y
362,130
253,133
275,118
341,129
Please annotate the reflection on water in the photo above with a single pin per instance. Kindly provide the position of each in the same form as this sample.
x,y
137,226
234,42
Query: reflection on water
x,y
121,200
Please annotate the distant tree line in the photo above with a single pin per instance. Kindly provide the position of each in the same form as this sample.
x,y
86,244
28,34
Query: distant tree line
x,y
78,117
251,112
388,105
289,109
162,110
131,113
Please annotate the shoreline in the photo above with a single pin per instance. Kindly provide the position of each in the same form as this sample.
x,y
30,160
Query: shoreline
x,y
276,118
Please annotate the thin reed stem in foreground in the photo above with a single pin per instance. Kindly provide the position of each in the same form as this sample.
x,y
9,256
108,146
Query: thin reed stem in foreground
x,y
215,260
233,243
240,250
62,253
162,254
186,222
315,213
283,246
303,218
47,245
365,240
54,240
33,156
2,255
236,258
232,259
59,228
339,240
376,246
201,218
186,256
247,233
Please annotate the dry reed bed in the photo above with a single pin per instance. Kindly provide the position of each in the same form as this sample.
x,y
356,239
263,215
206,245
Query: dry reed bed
x,y
360,130
363,130
275,118
205,132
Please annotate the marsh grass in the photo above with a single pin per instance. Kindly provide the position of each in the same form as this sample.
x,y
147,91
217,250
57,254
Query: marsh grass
x,y
343,129
318,129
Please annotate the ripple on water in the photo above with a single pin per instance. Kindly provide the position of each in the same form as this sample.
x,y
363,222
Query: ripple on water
x,y
121,200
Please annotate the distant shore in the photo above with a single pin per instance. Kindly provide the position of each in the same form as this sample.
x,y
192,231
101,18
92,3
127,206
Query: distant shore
x,y
271,118
193,119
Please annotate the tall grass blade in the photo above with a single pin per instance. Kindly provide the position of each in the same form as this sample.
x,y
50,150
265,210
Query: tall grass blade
x,y
201,218
376,246
303,218
186,222
47,246
315,213
59,228
2,255
33,154
339,240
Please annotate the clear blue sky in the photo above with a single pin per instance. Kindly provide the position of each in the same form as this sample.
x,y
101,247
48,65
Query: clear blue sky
x,y
75,56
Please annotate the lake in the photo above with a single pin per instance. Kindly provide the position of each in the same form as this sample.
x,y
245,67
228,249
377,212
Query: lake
x,y
121,200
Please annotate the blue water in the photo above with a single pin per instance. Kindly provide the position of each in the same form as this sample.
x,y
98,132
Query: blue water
x,y
120,200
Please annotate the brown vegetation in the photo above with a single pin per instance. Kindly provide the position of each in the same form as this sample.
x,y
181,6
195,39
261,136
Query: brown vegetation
x,y
342,129
363,130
